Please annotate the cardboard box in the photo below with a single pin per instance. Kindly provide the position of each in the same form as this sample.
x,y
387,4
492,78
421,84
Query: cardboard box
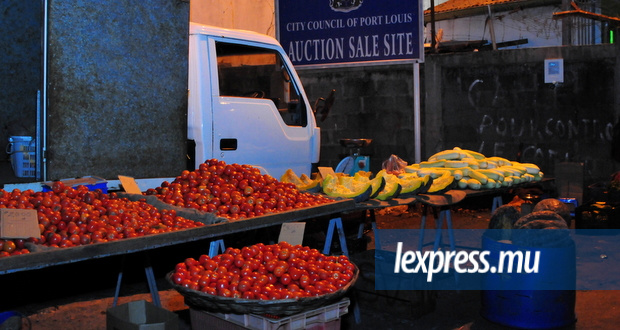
x,y
140,315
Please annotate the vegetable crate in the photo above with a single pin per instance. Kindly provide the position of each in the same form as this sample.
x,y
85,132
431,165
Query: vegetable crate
x,y
91,182
23,158
327,318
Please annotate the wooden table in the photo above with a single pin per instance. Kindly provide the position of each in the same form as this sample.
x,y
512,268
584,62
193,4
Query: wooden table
x,y
48,257
58,256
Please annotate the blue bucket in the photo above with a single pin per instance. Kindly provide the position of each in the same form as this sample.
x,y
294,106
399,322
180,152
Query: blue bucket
x,y
7,315
531,309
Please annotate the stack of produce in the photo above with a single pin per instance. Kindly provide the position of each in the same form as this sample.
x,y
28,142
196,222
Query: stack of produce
x,y
302,182
473,170
233,191
383,186
70,217
549,213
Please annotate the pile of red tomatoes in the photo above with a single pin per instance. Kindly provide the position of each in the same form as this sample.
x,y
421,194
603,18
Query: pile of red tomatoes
x,y
70,216
266,272
233,191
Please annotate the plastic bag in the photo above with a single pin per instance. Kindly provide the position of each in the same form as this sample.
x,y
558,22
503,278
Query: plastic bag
x,y
394,165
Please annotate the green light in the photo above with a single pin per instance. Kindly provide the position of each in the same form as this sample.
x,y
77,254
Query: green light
x,y
611,36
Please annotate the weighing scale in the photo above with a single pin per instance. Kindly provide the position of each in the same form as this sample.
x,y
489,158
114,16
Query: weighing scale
x,y
354,162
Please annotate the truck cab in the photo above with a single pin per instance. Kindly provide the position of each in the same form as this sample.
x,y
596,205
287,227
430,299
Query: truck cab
x,y
246,103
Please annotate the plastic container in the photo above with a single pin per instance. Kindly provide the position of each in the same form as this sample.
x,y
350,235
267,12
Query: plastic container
x,y
327,317
23,156
5,316
91,182
531,309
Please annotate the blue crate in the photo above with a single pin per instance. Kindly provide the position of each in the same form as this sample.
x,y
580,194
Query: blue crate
x,y
91,182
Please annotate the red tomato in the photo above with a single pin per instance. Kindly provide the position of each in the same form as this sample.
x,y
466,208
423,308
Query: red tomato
x,y
262,280
239,261
271,265
304,281
178,278
224,293
244,285
295,273
285,279
249,252
279,271
221,284
275,295
285,253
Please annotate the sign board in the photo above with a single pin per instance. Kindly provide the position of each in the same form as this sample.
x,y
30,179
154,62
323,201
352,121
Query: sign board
x,y
320,32
129,184
292,232
554,71
19,223
325,171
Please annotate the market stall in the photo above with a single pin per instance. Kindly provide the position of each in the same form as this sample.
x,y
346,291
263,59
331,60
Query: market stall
x,y
221,199
247,200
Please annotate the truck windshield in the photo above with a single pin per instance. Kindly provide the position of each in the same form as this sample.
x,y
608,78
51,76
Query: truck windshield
x,y
253,72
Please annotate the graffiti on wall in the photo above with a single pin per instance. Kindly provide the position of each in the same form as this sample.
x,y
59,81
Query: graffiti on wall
x,y
569,134
514,114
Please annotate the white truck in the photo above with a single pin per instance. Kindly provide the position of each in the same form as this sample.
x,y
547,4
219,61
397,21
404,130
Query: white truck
x,y
246,103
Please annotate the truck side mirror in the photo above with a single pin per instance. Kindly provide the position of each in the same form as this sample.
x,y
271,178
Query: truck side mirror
x,y
323,105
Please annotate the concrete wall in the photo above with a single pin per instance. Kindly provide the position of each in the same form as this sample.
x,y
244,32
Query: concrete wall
x,y
493,102
372,103
20,66
117,88
498,103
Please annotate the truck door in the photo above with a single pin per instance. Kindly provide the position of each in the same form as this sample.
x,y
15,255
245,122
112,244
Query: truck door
x,y
260,114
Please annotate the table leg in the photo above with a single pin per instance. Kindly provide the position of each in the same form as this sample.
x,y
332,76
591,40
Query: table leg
x,y
376,234
335,224
497,202
150,279
215,247
448,217
422,227
438,235
119,280
444,214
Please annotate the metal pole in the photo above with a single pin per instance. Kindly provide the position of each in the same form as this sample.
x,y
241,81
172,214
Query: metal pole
x,y
433,32
42,114
491,28
416,112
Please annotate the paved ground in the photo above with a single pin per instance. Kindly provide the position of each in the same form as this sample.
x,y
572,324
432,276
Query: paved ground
x,y
77,296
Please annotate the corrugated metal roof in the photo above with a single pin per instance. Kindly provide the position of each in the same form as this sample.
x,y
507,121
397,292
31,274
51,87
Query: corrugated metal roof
x,y
453,5
461,8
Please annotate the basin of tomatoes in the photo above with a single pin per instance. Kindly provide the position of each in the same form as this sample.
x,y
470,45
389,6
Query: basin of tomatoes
x,y
260,275
233,191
